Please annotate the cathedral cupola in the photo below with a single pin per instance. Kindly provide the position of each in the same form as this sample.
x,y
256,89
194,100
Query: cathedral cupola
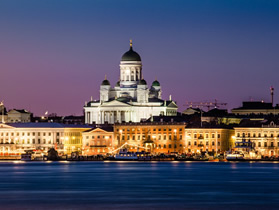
x,y
131,55
130,68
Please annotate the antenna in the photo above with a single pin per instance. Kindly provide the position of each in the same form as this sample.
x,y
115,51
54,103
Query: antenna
x,y
271,93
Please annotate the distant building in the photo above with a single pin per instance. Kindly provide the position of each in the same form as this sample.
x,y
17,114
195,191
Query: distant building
x,y
209,139
130,100
264,136
156,137
256,107
17,138
98,140
18,116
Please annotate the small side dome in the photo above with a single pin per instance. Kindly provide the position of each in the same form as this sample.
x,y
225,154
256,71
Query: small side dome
x,y
117,84
105,81
142,82
156,83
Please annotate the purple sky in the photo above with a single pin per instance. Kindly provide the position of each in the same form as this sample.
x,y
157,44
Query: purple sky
x,y
54,54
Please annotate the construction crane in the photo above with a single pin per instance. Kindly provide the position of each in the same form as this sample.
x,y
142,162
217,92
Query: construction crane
x,y
208,104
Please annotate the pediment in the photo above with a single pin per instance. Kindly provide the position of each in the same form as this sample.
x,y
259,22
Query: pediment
x,y
115,103
172,105
3,125
98,130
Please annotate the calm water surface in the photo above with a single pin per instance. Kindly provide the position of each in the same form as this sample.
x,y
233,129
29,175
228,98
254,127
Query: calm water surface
x,y
138,185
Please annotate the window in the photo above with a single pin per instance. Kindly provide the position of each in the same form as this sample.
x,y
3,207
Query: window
x,y
159,146
206,135
180,137
165,137
180,145
213,135
169,137
243,134
271,135
206,143
195,136
39,141
248,134
169,145
189,143
259,135
271,144
238,134
219,143
33,141
213,143
259,144
165,146
49,134
265,144
195,143
219,136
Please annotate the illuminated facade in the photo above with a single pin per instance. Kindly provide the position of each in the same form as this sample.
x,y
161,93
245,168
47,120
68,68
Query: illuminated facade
x,y
156,137
209,139
130,100
98,141
264,139
16,138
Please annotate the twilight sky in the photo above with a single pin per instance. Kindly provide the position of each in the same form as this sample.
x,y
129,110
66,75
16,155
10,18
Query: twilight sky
x,y
54,53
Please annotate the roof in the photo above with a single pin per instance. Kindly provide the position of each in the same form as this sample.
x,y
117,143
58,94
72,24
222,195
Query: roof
x,y
46,125
107,128
131,55
23,111
156,83
256,105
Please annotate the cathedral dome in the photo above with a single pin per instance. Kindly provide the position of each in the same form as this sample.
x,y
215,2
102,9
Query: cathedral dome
x,y
142,82
130,55
117,84
156,83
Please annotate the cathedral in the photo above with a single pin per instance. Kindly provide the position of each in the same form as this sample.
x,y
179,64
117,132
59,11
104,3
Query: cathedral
x,y
130,100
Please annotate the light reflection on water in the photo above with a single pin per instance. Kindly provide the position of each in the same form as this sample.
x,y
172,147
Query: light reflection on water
x,y
138,185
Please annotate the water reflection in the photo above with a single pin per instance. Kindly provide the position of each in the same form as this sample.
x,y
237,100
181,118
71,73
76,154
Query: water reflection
x,y
137,185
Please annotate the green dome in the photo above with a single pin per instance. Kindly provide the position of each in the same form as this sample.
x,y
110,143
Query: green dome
x,y
117,84
142,82
105,82
155,83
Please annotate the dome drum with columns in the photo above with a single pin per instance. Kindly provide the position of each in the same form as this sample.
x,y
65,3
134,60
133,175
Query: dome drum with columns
x,y
130,100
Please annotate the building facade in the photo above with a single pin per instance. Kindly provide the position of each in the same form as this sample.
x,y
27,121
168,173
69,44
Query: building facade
x,y
155,137
17,138
130,100
264,139
98,141
209,140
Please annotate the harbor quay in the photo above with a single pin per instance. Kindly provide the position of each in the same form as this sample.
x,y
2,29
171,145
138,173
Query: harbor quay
x,y
154,138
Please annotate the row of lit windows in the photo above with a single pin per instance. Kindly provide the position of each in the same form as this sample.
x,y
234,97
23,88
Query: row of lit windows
x,y
160,137
98,137
206,143
206,135
28,134
29,141
147,129
255,135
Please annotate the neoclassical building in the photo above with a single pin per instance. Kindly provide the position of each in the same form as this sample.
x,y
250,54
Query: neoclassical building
x,y
130,100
